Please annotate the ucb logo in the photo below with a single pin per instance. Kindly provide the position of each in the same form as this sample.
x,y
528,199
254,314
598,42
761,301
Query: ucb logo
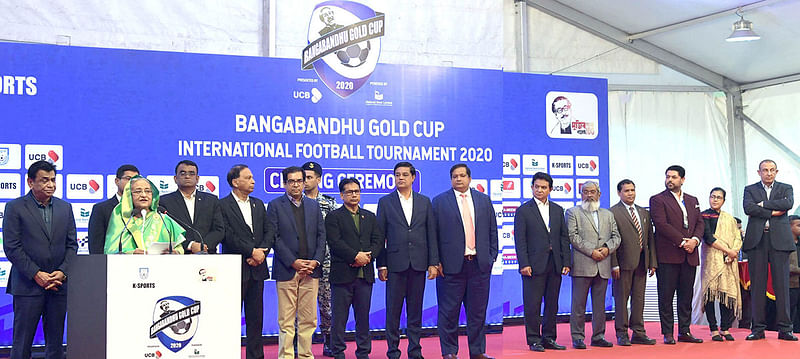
x,y
314,95
78,186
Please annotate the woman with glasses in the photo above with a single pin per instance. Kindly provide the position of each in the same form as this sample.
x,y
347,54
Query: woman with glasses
x,y
136,226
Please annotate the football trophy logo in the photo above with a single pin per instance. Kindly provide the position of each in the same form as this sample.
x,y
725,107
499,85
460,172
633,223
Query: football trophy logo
x,y
175,321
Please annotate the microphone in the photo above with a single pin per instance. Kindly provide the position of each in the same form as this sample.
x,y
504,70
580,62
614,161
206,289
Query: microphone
x,y
163,210
125,228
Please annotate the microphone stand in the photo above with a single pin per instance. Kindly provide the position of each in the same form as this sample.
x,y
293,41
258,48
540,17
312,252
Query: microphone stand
x,y
125,229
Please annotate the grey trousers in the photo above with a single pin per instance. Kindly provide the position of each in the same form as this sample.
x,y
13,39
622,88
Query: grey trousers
x,y
580,292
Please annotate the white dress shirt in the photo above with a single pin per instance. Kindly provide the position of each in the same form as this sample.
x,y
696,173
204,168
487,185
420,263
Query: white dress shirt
x,y
767,189
467,251
544,211
407,205
190,203
247,212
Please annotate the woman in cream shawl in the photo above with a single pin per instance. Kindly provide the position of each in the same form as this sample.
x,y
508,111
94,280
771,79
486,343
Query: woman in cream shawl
x,y
137,232
722,241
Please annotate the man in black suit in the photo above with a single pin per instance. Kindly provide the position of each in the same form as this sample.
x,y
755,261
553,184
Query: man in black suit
x,y
768,241
407,220
542,244
101,212
354,238
466,231
195,209
40,240
249,234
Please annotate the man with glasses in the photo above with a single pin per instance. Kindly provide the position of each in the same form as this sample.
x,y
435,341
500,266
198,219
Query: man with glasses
x,y
355,239
101,212
196,210
299,251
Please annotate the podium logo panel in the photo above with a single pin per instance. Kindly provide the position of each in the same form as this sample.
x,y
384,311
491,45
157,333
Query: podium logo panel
x,y
175,321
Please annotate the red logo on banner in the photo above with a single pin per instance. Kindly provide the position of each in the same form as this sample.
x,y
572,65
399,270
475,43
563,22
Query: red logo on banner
x,y
508,185
53,155
514,164
594,165
210,186
480,188
567,187
93,186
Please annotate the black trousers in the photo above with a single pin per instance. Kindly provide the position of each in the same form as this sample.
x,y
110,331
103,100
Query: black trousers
x,y
794,306
253,301
408,286
675,278
52,308
725,320
761,257
470,287
357,294
534,289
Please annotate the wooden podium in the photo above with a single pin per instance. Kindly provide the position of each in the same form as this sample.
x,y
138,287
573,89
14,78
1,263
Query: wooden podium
x,y
143,306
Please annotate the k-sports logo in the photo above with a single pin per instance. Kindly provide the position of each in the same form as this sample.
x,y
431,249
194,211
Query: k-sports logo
x,y
175,321
343,44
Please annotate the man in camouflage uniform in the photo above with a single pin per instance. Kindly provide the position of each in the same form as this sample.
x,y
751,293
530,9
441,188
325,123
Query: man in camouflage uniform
x,y
313,174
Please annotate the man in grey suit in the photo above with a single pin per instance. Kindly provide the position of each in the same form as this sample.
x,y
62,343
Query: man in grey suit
x,y
768,241
633,261
594,237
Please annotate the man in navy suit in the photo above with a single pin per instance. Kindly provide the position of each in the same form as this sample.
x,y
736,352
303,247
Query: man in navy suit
x,y
299,251
101,212
679,227
768,241
40,240
542,244
467,238
249,234
407,221
194,209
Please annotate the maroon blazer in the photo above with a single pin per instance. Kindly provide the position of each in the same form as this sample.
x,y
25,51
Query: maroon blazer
x,y
668,220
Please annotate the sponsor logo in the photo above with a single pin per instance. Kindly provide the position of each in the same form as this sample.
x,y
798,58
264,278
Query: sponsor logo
x,y
496,190
5,271
84,186
206,275
82,212
10,185
562,188
2,213
175,321
18,85
587,165
509,210
10,156
343,45
83,243
480,185
208,184
373,181
314,95
165,184
510,259
534,163
144,273
50,153
5,153
511,164
560,165
511,187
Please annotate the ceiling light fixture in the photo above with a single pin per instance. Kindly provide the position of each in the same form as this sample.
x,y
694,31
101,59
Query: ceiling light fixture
x,y
742,30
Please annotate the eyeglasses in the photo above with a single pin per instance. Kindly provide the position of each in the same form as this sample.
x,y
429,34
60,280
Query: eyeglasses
x,y
294,182
352,192
140,191
717,197
187,174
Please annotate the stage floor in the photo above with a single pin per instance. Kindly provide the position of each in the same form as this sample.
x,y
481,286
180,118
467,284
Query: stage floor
x,y
511,344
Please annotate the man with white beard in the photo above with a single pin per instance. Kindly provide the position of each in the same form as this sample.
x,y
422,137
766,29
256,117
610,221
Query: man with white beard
x,y
594,236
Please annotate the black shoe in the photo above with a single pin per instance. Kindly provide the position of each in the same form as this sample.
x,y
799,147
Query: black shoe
x,y
602,343
643,340
536,347
755,336
728,337
668,339
551,344
787,336
717,338
625,342
688,338
578,344
326,346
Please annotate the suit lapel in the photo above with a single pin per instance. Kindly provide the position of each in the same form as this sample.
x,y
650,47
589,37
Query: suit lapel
x,y
33,208
455,205
287,203
395,201
538,215
591,219
234,207
184,209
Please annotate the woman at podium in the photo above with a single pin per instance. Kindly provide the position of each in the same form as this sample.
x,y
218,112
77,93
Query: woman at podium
x,y
136,226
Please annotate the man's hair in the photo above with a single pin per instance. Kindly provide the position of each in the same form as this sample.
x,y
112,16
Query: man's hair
x,y
292,169
676,168
406,164
624,182
738,220
542,176
559,98
346,181
794,217
37,166
234,172
718,189
591,184
765,161
125,168
459,165
188,163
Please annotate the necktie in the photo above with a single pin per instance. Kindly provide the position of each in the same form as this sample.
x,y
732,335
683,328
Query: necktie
x,y
637,225
469,228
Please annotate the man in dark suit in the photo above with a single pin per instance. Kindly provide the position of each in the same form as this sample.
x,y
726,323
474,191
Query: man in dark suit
x,y
466,229
196,210
768,242
542,244
299,252
40,240
249,234
679,227
407,220
101,212
633,261
355,238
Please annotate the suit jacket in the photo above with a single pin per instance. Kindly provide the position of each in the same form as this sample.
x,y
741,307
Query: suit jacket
x,y
534,242
628,254
585,237
345,241
781,198
30,248
668,220
413,245
207,218
239,239
98,224
450,231
279,213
